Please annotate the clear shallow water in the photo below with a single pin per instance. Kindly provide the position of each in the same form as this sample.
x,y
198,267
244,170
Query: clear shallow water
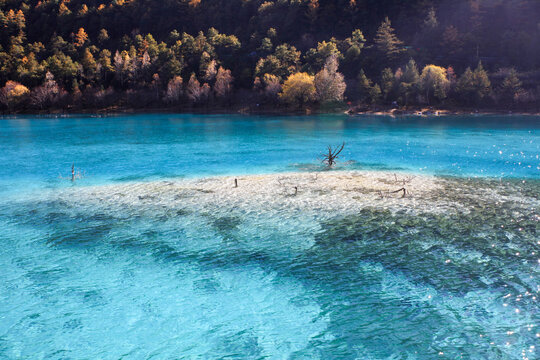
x,y
80,282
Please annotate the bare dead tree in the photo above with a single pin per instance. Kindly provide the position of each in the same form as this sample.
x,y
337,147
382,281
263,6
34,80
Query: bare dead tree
x,y
406,180
286,185
75,174
333,153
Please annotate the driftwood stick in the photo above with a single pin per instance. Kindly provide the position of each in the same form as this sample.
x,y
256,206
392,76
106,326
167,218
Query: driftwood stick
x,y
382,194
402,189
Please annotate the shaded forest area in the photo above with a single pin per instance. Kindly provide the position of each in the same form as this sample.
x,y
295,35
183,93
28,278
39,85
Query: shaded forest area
x,y
183,54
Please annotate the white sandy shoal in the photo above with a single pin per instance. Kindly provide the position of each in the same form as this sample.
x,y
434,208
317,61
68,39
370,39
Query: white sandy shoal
x,y
323,193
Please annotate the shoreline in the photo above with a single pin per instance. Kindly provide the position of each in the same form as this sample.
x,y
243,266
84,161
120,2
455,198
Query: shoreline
x,y
425,112
421,111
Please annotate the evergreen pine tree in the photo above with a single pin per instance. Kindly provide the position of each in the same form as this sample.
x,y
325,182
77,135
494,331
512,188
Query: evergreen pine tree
x,y
510,87
387,42
368,93
473,86
387,82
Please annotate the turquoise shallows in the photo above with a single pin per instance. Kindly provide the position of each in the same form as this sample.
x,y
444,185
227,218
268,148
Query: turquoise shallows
x,y
86,282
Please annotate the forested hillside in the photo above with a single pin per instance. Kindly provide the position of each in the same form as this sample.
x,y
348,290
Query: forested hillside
x,y
77,54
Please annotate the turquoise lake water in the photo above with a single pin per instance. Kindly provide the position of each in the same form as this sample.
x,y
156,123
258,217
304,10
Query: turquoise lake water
x,y
93,283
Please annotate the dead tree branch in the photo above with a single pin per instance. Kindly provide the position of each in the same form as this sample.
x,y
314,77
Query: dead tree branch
x,y
406,180
330,158
286,186
384,194
75,174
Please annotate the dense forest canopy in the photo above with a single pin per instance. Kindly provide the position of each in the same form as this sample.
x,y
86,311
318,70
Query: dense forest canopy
x,y
98,53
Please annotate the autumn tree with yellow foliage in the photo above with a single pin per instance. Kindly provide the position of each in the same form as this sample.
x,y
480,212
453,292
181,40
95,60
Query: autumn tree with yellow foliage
x,y
298,89
13,93
80,38
434,82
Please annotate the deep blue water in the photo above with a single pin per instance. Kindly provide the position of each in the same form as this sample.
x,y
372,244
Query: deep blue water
x,y
35,151
88,283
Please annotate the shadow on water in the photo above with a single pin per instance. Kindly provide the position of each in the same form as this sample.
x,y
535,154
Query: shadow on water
x,y
226,224
491,249
348,165
470,251
148,177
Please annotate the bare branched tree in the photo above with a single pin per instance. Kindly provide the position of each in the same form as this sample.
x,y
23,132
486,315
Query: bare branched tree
x,y
333,153
406,180
223,84
287,186
174,90
196,92
46,94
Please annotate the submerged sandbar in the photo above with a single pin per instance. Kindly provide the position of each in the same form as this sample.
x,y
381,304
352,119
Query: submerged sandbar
x,y
323,194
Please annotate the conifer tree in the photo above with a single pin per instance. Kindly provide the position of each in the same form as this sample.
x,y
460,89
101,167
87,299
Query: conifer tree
x,y
80,38
312,9
481,81
411,74
104,64
510,87
387,82
368,93
89,64
473,86
354,45
387,42
316,58
3,20
409,82
431,21
63,10
103,36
